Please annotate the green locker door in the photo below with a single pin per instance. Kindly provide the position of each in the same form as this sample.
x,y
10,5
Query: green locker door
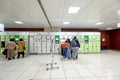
x,y
21,36
98,43
82,43
90,44
86,48
94,44
78,37
7,38
11,36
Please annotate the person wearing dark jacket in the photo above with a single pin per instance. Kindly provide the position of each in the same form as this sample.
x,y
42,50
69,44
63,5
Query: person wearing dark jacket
x,y
75,47
21,45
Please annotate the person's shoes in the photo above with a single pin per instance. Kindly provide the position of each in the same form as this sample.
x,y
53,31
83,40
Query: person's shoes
x,y
9,58
13,57
77,57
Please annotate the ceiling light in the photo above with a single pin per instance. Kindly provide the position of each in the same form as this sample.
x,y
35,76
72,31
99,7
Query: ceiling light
x,y
99,23
118,25
18,22
1,27
73,10
108,28
66,22
118,12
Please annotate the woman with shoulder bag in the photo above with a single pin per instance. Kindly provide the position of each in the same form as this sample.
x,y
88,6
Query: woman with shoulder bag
x,y
10,46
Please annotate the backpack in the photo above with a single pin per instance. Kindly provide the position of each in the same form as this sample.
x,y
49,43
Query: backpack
x,y
73,43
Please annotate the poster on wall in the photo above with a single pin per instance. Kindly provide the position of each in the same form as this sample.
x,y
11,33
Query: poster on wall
x,y
1,27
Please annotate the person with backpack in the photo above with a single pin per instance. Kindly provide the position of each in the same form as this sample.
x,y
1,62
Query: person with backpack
x,y
75,47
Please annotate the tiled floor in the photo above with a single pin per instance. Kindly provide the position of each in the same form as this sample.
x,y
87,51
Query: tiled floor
x,y
99,66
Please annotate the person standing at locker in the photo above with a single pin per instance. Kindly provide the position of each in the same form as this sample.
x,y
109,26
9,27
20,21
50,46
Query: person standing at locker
x,y
10,46
69,49
75,47
21,48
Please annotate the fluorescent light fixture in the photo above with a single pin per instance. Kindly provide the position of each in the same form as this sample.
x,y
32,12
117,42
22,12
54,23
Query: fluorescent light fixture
x,y
73,10
108,28
118,25
18,22
118,12
99,23
66,22
1,27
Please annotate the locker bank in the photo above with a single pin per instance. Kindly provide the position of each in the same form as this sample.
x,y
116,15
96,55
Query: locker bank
x,y
44,25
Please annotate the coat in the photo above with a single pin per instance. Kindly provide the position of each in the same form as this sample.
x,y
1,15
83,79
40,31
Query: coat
x,y
21,45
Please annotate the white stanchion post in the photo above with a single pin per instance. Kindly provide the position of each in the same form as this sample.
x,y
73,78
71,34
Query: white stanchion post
x,y
52,61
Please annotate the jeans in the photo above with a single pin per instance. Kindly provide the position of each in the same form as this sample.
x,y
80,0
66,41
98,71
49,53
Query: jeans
x,y
69,53
75,52
65,52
